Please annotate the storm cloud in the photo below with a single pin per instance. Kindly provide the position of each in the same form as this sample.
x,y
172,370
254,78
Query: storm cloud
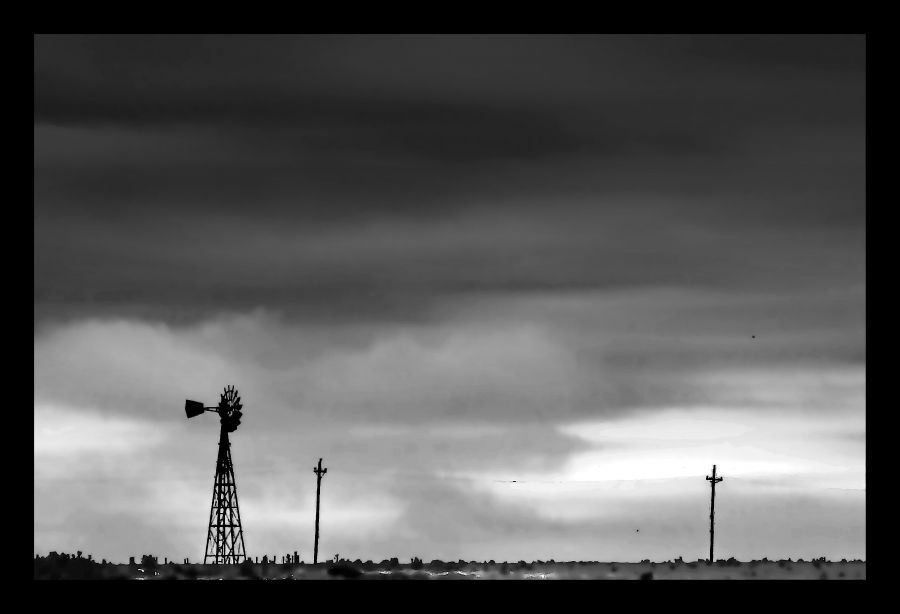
x,y
300,172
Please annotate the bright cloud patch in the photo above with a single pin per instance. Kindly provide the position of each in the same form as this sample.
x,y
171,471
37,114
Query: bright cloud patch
x,y
534,427
63,432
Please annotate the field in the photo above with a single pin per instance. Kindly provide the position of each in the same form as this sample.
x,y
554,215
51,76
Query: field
x,y
436,570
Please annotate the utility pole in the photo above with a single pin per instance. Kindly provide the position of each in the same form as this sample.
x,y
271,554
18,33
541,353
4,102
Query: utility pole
x,y
712,511
319,471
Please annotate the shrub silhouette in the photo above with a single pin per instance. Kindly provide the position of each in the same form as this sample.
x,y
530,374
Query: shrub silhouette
x,y
439,565
344,569
248,569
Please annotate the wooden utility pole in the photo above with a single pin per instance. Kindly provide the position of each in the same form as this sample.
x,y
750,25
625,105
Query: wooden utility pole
x,y
712,511
319,471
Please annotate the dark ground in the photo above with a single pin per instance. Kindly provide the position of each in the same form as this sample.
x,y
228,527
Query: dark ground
x,y
59,567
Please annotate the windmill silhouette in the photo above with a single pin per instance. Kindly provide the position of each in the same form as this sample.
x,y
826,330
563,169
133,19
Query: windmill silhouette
x,y
225,538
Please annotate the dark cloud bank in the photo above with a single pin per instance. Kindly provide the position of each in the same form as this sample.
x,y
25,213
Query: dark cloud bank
x,y
370,177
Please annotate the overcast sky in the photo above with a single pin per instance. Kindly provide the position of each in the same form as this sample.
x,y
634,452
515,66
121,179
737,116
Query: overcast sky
x,y
595,265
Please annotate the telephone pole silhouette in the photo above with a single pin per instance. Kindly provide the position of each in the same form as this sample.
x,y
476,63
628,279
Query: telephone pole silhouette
x,y
712,511
319,471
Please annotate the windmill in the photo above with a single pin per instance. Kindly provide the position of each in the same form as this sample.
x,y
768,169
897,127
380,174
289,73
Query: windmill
x,y
225,539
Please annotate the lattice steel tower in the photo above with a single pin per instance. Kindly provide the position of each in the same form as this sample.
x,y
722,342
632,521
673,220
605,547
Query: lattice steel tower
x,y
225,539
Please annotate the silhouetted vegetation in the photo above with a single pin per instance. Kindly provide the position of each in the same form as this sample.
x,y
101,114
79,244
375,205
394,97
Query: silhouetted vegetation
x,y
57,566
344,569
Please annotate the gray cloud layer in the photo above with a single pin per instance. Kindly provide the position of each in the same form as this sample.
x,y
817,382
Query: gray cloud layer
x,y
370,177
